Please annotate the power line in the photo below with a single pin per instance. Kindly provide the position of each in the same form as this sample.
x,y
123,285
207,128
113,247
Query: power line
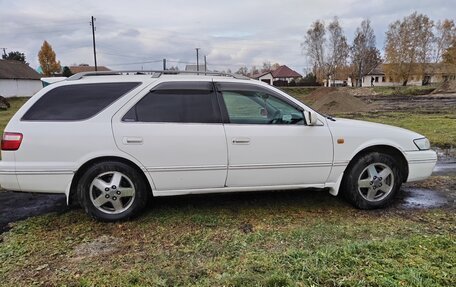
x,y
135,63
122,55
181,62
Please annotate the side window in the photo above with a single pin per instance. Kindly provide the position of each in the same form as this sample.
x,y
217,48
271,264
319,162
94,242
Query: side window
x,y
76,102
177,103
259,107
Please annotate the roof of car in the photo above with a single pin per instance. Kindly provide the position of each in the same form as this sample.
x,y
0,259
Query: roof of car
x,y
117,75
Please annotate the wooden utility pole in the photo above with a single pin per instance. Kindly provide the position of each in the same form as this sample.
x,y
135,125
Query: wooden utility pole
x,y
197,59
93,40
205,64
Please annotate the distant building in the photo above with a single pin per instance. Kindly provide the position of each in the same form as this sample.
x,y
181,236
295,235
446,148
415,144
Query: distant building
x,y
192,68
86,68
282,74
430,74
18,79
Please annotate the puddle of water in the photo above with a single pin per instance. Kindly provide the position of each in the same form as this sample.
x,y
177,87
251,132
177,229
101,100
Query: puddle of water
x,y
422,198
445,168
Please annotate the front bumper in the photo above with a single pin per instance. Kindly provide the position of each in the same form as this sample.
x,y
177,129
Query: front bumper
x,y
420,164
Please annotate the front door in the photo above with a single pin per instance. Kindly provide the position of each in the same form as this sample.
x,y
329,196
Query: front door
x,y
269,143
175,131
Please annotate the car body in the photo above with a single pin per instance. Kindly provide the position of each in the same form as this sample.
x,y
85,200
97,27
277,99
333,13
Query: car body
x,y
184,133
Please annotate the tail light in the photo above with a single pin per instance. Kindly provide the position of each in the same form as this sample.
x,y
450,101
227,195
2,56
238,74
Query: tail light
x,y
11,141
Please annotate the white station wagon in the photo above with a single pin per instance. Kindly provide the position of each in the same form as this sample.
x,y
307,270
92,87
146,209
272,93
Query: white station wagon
x,y
111,140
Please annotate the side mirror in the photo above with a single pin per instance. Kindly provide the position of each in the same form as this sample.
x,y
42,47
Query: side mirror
x,y
311,118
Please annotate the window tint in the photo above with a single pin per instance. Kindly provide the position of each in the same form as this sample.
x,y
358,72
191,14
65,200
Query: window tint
x,y
76,102
190,103
258,107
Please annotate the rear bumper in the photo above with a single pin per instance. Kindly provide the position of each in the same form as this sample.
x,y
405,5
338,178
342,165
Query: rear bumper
x,y
9,181
8,178
51,181
421,164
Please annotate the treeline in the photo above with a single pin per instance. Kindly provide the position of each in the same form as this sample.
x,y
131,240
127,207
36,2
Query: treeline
x,y
411,43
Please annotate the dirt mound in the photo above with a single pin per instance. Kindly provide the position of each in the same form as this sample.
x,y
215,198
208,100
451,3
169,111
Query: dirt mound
x,y
318,93
332,100
446,87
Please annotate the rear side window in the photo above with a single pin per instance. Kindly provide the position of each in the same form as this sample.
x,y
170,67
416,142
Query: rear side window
x,y
76,102
177,102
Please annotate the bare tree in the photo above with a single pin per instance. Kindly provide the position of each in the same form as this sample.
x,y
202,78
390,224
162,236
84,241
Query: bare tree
x,y
338,49
243,71
275,66
445,35
313,47
253,70
449,55
364,54
266,67
408,46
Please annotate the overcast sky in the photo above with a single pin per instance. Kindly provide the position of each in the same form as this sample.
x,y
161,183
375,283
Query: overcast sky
x,y
138,34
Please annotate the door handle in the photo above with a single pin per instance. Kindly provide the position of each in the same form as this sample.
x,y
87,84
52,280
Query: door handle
x,y
132,140
241,141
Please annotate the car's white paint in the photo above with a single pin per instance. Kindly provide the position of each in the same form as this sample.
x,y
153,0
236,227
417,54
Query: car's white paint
x,y
265,158
197,158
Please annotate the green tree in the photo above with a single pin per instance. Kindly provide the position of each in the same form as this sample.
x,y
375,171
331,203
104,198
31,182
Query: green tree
x,y
47,59
66,72
16,56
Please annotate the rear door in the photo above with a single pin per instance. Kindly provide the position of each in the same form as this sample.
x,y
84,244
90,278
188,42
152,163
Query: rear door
x,y
175,131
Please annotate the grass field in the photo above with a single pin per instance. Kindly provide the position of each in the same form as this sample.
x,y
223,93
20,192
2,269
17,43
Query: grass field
x,y
403,91
300,238
303,238
6,115
440,129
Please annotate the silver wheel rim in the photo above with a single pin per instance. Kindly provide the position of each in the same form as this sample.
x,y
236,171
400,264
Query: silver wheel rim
x,y
376,182
112,192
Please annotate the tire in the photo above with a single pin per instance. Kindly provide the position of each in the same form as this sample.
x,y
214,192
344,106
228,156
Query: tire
x,y
372,181
112,191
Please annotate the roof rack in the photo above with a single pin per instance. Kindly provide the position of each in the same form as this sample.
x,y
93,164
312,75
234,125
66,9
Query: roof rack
x,y
154,73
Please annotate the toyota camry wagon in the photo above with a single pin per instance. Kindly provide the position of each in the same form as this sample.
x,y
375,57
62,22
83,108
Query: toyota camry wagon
x,y
112,140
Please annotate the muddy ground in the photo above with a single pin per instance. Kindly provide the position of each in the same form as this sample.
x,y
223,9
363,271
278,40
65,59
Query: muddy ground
x,y
439,191
432,103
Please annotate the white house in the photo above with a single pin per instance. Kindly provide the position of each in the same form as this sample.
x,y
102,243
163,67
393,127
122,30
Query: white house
x,y
282,73
433,73
18,79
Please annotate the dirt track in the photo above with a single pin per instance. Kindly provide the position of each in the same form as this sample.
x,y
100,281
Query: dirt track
x,y
433,103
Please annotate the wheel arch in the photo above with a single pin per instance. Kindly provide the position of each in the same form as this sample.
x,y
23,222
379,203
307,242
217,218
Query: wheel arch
x,y
72,193
385,149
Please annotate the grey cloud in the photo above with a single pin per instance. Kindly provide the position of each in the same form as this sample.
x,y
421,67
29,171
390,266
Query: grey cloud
x,y
230,33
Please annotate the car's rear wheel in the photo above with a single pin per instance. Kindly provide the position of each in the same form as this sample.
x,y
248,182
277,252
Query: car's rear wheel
x,y
372,181
112,191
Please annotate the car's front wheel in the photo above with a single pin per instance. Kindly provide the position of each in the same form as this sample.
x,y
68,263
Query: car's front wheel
x,y
112,191
372,181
